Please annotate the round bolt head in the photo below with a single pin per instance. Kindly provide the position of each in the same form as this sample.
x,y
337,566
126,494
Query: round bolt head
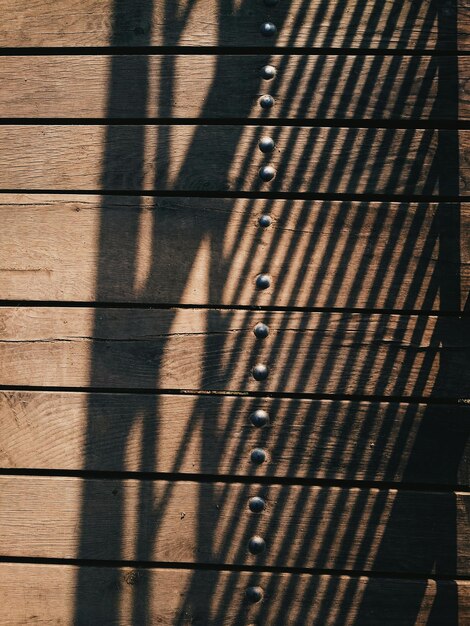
x,y
266,102
261,330
260,372
259,418
258,456
267,173
254,594
268,29
256,545
263,281
265,221
268,72
266,144
256,505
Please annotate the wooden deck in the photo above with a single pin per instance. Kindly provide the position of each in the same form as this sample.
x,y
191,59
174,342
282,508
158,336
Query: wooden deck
x,y
234,314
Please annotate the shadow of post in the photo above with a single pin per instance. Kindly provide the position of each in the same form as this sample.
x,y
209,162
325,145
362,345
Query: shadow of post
x,y
444,233
441,557
119,94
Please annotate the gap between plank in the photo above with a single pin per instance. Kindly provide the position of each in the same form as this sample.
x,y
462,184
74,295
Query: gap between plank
x,y
232,568
223,50
250,195
236,479
245,394
434,124
75,304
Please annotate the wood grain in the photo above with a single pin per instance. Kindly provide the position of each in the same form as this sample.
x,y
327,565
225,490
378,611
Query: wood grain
x,y
226,158
330,353
377,530
305,87
174,251
45,594
213,435
381,24
206,251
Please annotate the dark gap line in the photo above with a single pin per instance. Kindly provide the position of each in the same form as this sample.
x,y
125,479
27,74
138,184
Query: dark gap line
x,y
412,576
227,307
234,479
434,124
428,400
250,195
224,50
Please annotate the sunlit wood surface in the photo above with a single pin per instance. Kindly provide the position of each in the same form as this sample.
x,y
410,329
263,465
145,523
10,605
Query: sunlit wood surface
x,y
375,24
38,591
304,87
234,313
225,158
376,255
323,439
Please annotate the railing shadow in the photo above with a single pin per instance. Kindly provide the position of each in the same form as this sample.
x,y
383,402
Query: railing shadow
x,y
309,352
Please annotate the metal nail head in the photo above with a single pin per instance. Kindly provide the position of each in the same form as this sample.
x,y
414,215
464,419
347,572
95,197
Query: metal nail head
x,y
256,504
259,418
263,281
266,101
254,594
261,330
260,372
268,29
266,144
267,173
256,545
265,220
258,456
268,72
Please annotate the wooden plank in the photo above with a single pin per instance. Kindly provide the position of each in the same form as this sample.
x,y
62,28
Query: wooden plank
x,y
381,24
378,255
305,87
65,594
226,158
376,530
329,353
213,435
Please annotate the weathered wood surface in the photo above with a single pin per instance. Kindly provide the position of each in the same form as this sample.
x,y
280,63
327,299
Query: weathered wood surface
x,y
229,86
408,443
206,251
377,530
45,594
382,24
226,158
331,353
